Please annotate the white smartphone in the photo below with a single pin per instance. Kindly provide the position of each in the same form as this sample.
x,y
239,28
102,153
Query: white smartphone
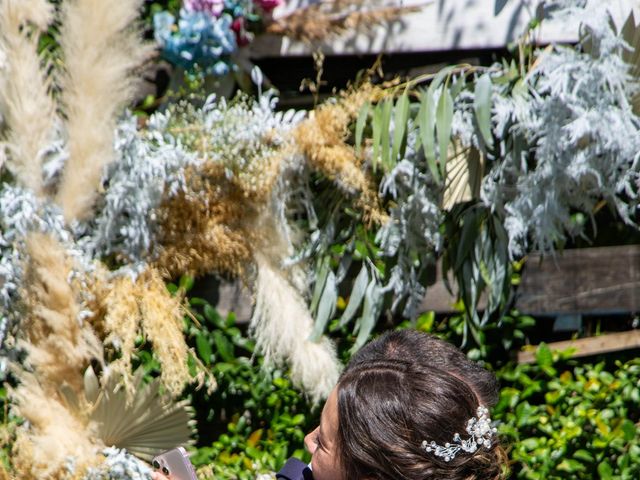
x,y
175,464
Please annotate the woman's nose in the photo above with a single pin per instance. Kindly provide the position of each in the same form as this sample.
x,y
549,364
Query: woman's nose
x,y
309,443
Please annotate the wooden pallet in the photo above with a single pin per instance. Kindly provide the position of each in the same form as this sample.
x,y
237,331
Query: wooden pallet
x,y
589,281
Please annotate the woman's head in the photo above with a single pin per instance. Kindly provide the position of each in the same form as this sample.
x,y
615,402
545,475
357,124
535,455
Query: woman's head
x,y
428,350
383,408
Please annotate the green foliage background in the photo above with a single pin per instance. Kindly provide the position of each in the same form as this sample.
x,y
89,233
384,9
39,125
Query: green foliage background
x,y
559,417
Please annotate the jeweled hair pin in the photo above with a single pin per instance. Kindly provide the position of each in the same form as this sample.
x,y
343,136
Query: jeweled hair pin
x,y
480,431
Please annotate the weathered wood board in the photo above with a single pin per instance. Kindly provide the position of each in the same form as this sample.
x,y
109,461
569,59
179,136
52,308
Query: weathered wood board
x,y
590,280
611,342
601,280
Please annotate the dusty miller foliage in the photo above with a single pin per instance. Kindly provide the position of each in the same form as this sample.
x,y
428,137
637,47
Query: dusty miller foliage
x,y
412,234
149,168
568,138
119,465
21,213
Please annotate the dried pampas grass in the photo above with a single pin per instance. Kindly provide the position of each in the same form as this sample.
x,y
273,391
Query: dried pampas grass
x,y
58,343
322,138
282,325
53,437
209,228
25,100
162,321
144,305
59,347
101,50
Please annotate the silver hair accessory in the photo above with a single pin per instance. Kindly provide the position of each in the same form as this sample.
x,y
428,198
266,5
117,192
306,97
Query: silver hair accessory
x,y
480,432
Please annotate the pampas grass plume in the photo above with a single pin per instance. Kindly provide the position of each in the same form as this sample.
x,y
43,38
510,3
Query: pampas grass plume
x,y
162,318
25,101
54,434
144,305
101,50
59,346
282,324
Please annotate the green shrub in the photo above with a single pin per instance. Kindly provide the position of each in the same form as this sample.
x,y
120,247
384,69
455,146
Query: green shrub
x,y
563,419
255,419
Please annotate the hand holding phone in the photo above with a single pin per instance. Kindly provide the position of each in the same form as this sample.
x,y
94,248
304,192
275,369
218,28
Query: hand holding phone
x,y
174,464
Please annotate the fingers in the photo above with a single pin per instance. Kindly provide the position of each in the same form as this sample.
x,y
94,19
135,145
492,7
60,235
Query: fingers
x,y
158,476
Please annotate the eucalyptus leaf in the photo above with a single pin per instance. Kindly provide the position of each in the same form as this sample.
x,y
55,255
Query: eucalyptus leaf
x,y
377,134
401,118
482,107
322,271
363,115
440,77
373,300
326,307
426,124
356,297
444,119
468,237
385,140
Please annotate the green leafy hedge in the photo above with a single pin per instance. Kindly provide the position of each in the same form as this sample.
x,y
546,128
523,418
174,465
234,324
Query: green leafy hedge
x,y
255,419
563,419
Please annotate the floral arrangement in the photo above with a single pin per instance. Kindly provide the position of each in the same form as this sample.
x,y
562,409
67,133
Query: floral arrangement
x,y
205,37
366,191
207,33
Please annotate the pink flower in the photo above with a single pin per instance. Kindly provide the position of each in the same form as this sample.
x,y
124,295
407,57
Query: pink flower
x,y
268,5
213,7
239,28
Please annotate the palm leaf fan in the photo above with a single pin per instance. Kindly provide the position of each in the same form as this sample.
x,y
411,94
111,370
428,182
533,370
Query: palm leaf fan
x,y
464,173
144,423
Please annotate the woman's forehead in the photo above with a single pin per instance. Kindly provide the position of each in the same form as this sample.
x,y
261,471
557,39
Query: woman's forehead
x,y
329,417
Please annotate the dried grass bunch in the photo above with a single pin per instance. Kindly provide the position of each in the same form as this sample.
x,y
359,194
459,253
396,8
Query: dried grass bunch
x,y
57,300
59,349
143,305
324,140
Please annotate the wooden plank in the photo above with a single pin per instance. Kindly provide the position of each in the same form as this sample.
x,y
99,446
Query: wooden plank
x,y
600,280
611,342
438,298
589,280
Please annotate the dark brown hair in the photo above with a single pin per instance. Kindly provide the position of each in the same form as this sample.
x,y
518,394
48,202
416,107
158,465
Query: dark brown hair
x,y
414,346
387,406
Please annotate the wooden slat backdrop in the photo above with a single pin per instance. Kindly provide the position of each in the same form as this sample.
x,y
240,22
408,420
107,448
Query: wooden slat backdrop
x,y
587,280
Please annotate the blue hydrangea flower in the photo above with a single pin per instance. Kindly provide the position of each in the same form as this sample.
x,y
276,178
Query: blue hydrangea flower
x,y
198,39
237,8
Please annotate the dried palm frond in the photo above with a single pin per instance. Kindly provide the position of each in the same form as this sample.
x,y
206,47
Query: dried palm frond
x,y
145,425
323,20
464,172
53,435
25,101
101,50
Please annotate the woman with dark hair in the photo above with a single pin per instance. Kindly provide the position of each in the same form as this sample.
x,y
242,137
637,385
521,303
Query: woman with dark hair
x,y
428,350
411,407
407,407
395,419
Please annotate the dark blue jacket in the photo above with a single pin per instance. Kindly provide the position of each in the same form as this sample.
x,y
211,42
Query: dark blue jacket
x,y
294,469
